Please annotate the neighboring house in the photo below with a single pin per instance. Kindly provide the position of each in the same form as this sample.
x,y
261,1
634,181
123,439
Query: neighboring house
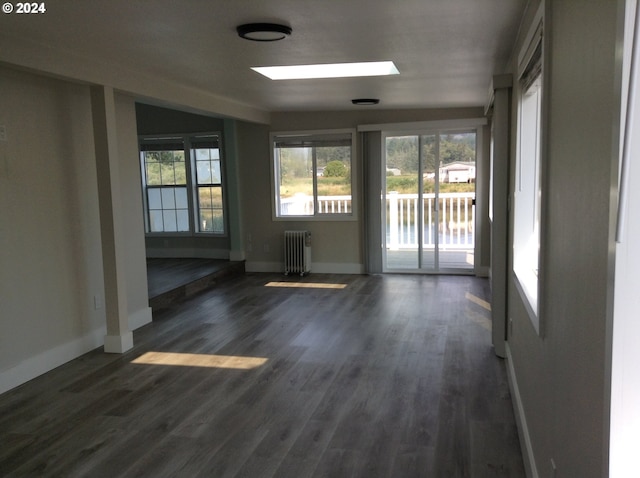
x,y
458,172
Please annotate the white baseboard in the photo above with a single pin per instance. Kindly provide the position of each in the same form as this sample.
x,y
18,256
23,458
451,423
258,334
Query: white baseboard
x,y
118,344
317,267
337,268
237,255
140,318
48,360
521,419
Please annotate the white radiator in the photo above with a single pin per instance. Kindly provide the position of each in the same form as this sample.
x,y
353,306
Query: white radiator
x,y
297,252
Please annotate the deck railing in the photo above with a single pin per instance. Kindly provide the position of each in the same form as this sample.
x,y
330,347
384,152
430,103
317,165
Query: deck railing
x,y
302,205
450,221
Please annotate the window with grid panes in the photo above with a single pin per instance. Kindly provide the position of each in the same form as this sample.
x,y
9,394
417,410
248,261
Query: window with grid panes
x,y
183,184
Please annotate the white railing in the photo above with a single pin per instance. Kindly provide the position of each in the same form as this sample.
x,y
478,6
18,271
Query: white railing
x,y
302,205
451,221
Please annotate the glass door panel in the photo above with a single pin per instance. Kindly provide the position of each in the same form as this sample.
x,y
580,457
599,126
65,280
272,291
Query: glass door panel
x,y
428,202
456,185
401,198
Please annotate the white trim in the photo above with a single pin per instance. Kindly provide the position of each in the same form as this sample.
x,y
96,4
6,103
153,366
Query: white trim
x,y
140,318
118,344
237,256
424,125
274,174
521,419
316,267
337,268
46,361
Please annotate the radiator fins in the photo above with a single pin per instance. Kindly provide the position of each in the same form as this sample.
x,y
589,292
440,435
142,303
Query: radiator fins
x,y
297,252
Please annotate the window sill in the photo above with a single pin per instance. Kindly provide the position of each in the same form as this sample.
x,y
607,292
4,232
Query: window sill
x,y
526,282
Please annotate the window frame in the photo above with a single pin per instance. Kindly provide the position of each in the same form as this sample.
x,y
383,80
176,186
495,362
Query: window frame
x,y
528,200
194,140
275,175
189,142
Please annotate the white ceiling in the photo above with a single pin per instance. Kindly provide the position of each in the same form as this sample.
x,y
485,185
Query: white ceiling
x,y
446,50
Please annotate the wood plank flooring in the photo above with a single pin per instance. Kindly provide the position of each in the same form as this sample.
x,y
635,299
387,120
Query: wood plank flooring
x,y
390,376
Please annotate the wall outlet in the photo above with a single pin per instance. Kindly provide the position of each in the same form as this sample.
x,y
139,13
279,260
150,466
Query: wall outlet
x,y
97,302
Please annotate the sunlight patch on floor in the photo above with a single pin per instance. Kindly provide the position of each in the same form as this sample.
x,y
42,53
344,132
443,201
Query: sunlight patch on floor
x,y
478,318
477,300
306,285
200,360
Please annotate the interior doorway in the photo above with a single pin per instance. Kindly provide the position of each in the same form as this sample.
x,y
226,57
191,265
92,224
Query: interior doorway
x,y
428,202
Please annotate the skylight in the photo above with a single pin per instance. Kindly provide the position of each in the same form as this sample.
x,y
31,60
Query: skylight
x,y
329,70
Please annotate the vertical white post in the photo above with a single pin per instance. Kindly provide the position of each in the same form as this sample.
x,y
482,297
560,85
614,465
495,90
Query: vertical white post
x,y
466,220
119,338
458,221
416,219
430,223
444,221
393,220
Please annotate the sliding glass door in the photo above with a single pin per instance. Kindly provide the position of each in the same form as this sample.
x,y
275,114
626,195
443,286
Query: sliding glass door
x,y
428,202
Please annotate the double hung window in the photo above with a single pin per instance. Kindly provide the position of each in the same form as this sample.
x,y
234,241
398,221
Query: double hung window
x,y
182,184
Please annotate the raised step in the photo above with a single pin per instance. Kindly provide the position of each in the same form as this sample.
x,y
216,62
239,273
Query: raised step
x,y
173,280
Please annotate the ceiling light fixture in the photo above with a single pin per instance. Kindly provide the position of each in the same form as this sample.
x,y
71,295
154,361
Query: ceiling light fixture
x,y
263,31
365,101
328,70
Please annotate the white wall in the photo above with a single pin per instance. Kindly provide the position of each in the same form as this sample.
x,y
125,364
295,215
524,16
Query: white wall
x,y
50,260
51,271
561,375
338,246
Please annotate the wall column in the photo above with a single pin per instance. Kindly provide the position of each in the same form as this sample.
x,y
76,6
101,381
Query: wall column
x,y
499,211
234,201
119,338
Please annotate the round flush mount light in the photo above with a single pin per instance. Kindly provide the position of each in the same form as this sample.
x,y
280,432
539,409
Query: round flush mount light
x,y
263,31
365,101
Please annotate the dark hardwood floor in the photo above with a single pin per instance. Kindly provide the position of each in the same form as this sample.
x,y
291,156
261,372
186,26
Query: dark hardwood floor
x,y
390,376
